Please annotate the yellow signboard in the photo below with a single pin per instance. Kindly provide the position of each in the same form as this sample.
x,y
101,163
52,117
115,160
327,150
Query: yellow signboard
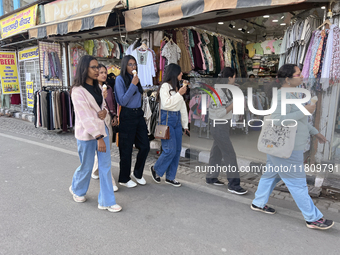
x,y
29,54
9,73
29,94
18,22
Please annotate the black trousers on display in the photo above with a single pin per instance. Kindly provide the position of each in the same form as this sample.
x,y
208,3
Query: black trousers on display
x,y
132,130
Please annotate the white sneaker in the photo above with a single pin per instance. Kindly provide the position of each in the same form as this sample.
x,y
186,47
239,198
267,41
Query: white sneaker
x,y
129,184
112,208
140,181
115,188
76,198
94,176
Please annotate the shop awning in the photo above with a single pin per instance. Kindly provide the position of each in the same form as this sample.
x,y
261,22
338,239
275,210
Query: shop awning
x,y
89,19
179,9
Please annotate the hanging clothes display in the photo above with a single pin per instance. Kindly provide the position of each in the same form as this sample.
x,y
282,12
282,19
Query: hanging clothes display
x,y
296,39
200,52
51,65
53,109
321,68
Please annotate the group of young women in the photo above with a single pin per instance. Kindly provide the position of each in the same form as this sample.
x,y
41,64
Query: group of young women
x,y
95,113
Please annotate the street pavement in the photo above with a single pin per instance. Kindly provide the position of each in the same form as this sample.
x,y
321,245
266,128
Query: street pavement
x,y
39,216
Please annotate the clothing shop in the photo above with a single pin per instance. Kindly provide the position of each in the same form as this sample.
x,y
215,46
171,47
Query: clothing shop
x,y
204,38
20,75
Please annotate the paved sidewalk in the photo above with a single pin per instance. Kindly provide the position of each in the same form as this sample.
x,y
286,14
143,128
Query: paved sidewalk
x,y
185,172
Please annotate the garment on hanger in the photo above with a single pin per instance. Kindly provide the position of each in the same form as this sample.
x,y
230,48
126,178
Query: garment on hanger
x,y
210,62
266,48
196,50
188,47
146,69
217,56
201,51
258,48
184,61
171,52
277,46
251,49
220,50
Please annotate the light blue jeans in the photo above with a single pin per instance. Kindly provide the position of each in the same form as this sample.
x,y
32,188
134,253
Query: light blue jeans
x,y
171,149
82,176
293,175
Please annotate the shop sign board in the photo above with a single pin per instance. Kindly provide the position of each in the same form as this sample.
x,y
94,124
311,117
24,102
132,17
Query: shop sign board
x,y
29,94
18,22
30,53
9,73
65,9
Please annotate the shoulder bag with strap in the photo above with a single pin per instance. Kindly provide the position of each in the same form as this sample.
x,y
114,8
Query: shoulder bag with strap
x,y
276,140
162,131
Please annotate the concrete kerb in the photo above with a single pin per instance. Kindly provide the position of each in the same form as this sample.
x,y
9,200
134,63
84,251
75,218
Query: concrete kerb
x,y
18,115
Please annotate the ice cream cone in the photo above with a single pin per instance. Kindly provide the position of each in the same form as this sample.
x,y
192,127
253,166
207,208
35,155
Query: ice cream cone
x,y
314,100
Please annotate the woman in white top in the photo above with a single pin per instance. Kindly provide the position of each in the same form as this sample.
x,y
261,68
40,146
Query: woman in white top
x,y
174,113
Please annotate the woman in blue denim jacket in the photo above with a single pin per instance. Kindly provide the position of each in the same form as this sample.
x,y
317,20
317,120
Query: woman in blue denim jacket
x,y
293,175
174,113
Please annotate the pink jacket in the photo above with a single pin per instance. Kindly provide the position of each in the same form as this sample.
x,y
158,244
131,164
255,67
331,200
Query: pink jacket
x,y
87,123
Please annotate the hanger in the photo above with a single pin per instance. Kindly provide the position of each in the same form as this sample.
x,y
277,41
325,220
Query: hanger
x,y
327,22
143,46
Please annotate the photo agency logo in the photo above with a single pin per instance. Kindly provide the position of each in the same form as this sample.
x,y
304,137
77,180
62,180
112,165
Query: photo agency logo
x,y
239,104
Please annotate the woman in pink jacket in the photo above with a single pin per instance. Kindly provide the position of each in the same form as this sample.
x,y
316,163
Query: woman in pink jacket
x,y
92,135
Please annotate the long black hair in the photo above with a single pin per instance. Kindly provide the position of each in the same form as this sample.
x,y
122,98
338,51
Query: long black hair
x,y
228,72
81,73
125,75
285,71
170,75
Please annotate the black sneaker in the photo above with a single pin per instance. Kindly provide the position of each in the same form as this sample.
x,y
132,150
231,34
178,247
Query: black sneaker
x,y
265,209
217,183
154,175
173,182
238,191
320,224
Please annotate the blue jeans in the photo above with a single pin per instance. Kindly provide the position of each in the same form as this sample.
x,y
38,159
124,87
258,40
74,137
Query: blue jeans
x,y
82,176
171,149
294,176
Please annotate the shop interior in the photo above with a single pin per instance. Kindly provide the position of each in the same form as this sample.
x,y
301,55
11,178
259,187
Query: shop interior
x,y
252,36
